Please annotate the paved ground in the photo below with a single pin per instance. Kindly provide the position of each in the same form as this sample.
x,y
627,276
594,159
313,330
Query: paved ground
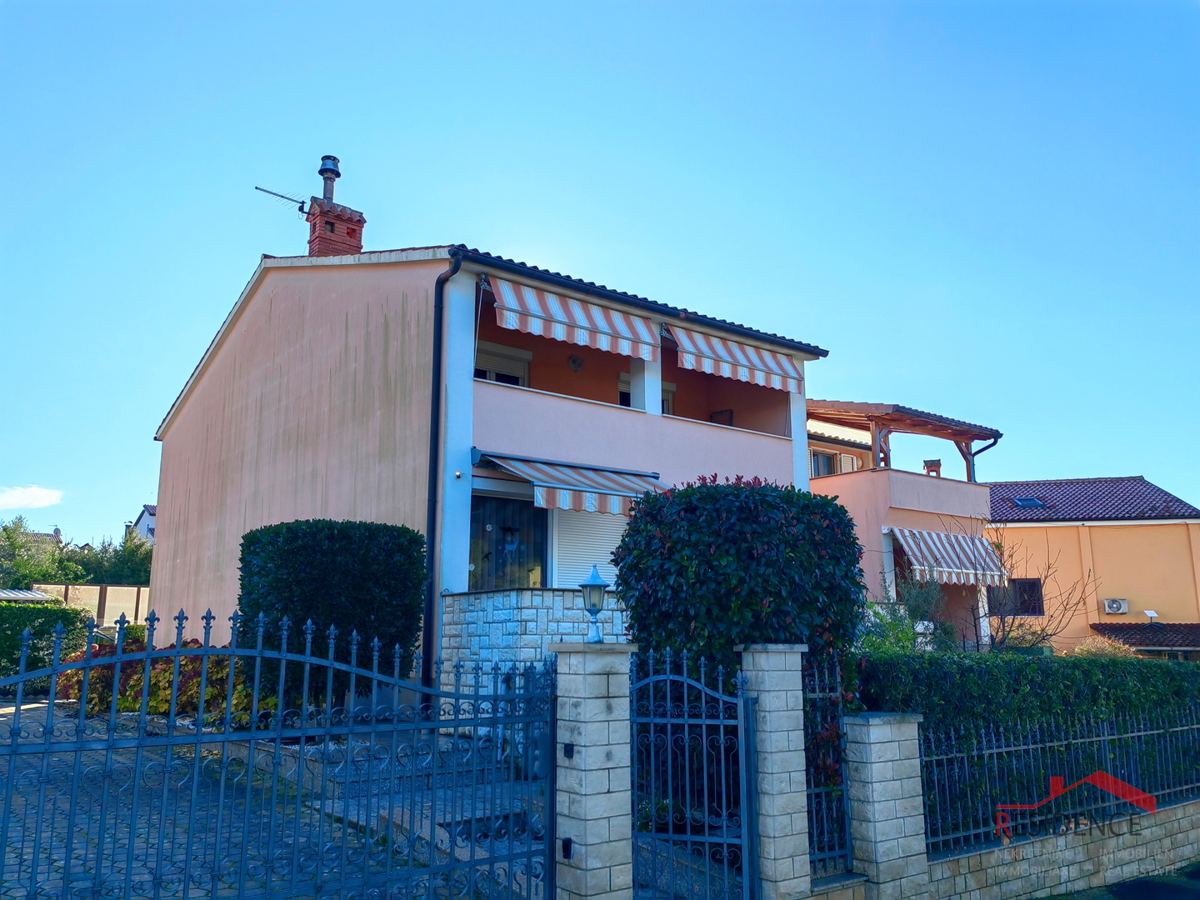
x,y
87,812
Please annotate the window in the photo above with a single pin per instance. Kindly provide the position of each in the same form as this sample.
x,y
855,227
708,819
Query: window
x,y
625,394
823,464
1028,503
508,544
329,228
504,365
1021,597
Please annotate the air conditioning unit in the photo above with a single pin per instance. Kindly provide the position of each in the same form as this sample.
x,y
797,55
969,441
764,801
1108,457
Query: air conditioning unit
x,y
1115,607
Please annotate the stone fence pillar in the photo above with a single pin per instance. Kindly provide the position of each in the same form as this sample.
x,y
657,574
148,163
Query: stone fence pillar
x,y
887,812
774,674
594,802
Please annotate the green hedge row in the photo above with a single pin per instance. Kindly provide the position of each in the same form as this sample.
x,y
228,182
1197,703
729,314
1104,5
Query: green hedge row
x,y
41,620
963,690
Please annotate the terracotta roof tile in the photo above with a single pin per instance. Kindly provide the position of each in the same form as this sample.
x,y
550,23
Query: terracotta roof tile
x,y
1086,499
1165,634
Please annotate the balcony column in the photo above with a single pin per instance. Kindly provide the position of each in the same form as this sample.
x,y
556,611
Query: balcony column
x,y
645,385
798,428
458,414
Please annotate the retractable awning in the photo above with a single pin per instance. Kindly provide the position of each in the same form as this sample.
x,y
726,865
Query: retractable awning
x,y
731,359
558,485
523,308
951,558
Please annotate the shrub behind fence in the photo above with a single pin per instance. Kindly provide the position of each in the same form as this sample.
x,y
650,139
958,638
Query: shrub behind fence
x,y
969,771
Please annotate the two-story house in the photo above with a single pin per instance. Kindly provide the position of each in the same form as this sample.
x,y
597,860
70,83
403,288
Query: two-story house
x,y
507,412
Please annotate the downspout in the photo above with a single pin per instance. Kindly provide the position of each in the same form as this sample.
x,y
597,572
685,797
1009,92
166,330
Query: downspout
x,y
968,455
429,642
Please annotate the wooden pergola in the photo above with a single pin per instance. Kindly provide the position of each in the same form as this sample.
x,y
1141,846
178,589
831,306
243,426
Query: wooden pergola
x,y
884,419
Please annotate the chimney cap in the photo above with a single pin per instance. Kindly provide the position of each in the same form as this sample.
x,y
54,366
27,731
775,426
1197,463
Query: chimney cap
x,y
329,167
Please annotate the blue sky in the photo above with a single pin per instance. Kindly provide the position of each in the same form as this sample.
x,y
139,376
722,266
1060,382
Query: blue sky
x,y
987,210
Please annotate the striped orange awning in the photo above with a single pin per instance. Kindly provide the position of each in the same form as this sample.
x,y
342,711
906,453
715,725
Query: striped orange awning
x,y
951,558
559,485
523,308
730,359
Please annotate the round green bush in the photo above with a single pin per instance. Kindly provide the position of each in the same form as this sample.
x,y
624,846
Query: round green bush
x,y
707,566
357,576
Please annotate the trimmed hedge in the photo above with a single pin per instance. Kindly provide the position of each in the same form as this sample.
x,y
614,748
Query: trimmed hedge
x,y
359,576
41,620
964,690
708,566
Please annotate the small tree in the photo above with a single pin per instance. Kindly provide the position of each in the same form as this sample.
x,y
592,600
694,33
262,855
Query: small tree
x,y
27,557
708,566
915,620
1063,599
361,577
125,563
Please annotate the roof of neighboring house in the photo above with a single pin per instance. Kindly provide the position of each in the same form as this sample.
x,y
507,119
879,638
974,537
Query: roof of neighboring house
x,y
11,596
1174,635
821,437
150,508
898,418
1086,499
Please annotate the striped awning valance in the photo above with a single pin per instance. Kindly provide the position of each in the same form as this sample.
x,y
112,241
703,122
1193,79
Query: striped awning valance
x,y
581,488
534,311
951,558
730,359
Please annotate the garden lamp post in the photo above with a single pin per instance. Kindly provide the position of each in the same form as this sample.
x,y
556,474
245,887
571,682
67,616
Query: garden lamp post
x,y
593,602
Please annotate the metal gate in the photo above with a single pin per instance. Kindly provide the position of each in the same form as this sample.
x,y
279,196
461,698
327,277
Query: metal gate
x,y
281,765
829,849
692,774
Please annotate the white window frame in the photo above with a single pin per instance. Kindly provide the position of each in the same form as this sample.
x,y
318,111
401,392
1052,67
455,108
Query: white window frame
x,y
625,386
497,358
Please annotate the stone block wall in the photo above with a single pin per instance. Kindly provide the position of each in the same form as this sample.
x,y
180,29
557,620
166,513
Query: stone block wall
x,y
519,625
1160,842
887,811
594,802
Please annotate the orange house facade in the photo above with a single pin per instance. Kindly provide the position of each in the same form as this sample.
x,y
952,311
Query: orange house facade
x,y
926,524
1129,550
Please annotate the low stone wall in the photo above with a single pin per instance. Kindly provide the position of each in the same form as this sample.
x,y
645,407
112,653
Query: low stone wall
x,y
1159,842
520,624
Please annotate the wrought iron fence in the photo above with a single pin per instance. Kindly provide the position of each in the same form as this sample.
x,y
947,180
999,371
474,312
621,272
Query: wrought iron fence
x,y
285,763
825,759
973,778
694,821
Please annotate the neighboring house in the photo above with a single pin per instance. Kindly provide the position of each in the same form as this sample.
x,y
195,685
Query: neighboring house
x,y
1128,544
924,524
144,523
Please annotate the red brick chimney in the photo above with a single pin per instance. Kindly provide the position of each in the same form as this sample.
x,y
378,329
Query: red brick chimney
x,y
334,230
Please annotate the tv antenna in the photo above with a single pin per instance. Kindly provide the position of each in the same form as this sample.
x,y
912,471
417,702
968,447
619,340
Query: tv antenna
x,y
299,203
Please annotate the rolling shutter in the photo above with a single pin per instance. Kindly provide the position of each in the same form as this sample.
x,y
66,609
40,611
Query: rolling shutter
x,y
582,540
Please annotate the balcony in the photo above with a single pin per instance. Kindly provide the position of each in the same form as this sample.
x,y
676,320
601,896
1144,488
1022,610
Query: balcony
x,y
891,494
526,422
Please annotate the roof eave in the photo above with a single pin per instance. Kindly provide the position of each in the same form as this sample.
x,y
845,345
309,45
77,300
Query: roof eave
x,y
567,283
